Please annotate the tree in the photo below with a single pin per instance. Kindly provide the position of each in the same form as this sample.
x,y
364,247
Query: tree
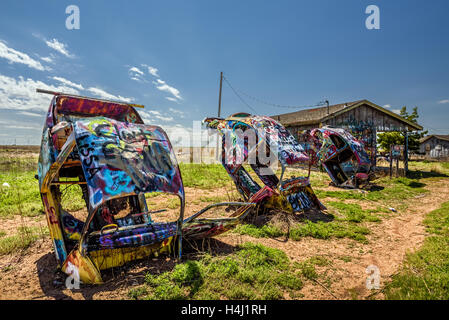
x,y
386,139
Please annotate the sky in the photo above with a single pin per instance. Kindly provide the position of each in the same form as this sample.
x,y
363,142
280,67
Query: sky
x,y
168,55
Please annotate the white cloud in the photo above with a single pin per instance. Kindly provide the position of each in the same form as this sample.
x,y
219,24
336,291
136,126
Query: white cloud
x,y
176,111
60,47
163,86
443,101
105,95
136,70
69,83
136,74
151,115
47,59
14,56
171,99
152,70
23,127
21,93
31,114
398,111
387,106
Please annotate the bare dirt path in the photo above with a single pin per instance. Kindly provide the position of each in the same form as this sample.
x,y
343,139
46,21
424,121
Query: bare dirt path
x,y
30,274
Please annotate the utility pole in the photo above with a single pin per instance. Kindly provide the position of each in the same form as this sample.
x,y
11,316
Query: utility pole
x,y
217,153
219,94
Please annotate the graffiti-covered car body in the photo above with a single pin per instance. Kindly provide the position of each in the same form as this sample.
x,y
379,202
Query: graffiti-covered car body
x,y
342,156
105,148
248,139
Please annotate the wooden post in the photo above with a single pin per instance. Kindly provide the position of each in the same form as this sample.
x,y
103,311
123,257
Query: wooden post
x,y
219,94
217,152
391,164
397,167
406,154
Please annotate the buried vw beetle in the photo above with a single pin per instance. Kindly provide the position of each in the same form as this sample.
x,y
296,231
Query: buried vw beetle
x,y
248,139
105,148
341,155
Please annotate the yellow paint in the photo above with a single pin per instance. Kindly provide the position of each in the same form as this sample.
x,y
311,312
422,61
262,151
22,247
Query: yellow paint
x,y
109,258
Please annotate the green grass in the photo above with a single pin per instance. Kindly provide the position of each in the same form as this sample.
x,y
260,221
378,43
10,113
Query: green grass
x,y
347,224
425,273
252,272
204,176
266,231
397,189
353,212
23,239
23,196
328,230
429,168
317,230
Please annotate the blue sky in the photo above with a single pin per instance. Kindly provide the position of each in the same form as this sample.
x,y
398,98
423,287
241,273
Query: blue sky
x,y
168,55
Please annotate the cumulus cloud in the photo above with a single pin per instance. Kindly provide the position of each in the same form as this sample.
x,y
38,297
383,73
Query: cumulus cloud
x,y
151,115
136,70
14,56
163,86
151,70
387,106
443,101
47,59
60,47
136,74
20,93
69,83
105,95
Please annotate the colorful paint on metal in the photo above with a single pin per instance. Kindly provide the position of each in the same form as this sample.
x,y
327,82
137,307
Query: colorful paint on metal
x,y
116,160
268,133
342,155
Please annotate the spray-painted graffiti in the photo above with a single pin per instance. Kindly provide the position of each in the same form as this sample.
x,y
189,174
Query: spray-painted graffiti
x,y
67,105
132,237
342,155
267,135
116,159
364,131
121,158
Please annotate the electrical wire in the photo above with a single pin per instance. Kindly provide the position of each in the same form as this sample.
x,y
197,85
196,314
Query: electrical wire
x,y
236,91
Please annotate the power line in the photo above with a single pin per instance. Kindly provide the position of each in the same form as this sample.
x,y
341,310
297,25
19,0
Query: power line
x,y
241,99
321,103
